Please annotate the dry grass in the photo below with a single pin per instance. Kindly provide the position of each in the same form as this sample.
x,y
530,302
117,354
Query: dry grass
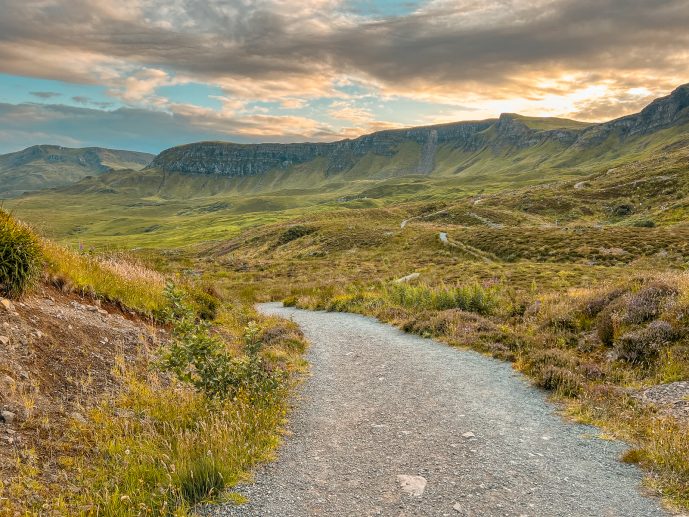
x,y
114,279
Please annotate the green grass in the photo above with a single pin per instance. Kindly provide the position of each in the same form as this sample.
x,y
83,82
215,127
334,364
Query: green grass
x,y
20,256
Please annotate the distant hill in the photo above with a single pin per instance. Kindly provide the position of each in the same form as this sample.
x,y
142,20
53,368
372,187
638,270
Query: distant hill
x,y
46,166
511,144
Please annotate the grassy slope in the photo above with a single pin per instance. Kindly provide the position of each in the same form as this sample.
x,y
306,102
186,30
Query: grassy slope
x,y
141,440
42,167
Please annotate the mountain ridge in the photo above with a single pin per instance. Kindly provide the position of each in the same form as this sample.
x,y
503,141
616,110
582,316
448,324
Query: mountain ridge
x,y
505,136
48,166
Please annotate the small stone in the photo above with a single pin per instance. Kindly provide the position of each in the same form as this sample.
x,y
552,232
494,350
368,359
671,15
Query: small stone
x,y
103,312
468,435
7,416
92,308
78,417
7,305
457,507
408,278
412,485
4,340
6,383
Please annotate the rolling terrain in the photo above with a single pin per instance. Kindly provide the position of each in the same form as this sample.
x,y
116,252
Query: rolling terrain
x,y
559,246
46,166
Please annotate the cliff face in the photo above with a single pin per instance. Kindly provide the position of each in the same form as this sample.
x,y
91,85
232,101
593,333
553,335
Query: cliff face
x,y
509,133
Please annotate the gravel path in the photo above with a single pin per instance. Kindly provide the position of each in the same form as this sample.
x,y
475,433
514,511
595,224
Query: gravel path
x,y
381,403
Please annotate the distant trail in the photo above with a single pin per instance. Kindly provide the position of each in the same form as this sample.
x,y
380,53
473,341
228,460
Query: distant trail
x,y
381,403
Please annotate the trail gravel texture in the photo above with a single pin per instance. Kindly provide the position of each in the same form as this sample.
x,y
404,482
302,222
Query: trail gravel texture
x,y
397,425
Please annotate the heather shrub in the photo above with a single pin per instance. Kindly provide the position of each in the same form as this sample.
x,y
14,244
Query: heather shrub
x,y
647,304
605,327
561,380
643,346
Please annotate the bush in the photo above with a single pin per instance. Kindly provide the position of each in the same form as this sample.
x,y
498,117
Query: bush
x,y
201,359
20,256
643,346
605,328
595,305
647,303
560,380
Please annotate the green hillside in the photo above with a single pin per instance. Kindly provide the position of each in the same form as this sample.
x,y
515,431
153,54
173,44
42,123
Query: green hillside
x,y
47,166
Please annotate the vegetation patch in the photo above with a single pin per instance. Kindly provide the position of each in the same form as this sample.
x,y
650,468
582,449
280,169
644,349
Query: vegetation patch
x,y
20,256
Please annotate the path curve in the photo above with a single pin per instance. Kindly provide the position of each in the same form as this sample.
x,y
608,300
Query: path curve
x,y
380,403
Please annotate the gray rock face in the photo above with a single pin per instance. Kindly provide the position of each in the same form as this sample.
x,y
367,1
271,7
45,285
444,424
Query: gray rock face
x,y
509,132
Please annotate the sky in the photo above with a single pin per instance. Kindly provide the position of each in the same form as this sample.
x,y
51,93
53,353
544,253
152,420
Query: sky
x,y
149,74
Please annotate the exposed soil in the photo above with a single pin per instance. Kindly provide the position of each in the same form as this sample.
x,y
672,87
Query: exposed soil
x,y
58,356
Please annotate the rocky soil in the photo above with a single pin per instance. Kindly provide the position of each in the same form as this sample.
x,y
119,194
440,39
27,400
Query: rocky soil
x,y
58,356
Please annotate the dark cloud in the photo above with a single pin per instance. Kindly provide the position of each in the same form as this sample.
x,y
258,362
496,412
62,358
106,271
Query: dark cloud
x,y
496,42
87,101
45,95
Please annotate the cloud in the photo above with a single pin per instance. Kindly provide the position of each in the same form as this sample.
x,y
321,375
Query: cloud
x,y
45,95
472,58
278,48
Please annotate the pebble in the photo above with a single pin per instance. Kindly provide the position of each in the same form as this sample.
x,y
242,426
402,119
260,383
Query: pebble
x,y
8,417
412,485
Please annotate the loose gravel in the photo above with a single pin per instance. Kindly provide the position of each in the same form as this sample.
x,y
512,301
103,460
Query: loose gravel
x,y
393,424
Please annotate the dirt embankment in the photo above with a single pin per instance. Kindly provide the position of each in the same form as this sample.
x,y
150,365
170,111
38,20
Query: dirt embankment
x,y
59,355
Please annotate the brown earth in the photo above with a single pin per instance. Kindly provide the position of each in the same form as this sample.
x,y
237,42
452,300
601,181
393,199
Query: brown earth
x,y
59,355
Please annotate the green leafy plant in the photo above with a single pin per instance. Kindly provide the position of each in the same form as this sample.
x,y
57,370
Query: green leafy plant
x,y
200,358
20,256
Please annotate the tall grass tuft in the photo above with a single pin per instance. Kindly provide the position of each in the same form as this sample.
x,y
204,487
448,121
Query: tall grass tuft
x,y
471,298
20,256
117,280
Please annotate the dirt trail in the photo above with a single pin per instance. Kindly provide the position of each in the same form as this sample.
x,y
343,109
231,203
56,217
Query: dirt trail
x,y
382,404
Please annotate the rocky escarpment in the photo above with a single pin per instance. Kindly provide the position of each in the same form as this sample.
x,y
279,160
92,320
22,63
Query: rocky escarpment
x,y
229,159
499,137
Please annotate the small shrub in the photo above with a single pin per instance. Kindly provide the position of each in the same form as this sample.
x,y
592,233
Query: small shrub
x,y
644,223
593,306
293,233
201,359
643,346
560,380
605,328
647,303
20,256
